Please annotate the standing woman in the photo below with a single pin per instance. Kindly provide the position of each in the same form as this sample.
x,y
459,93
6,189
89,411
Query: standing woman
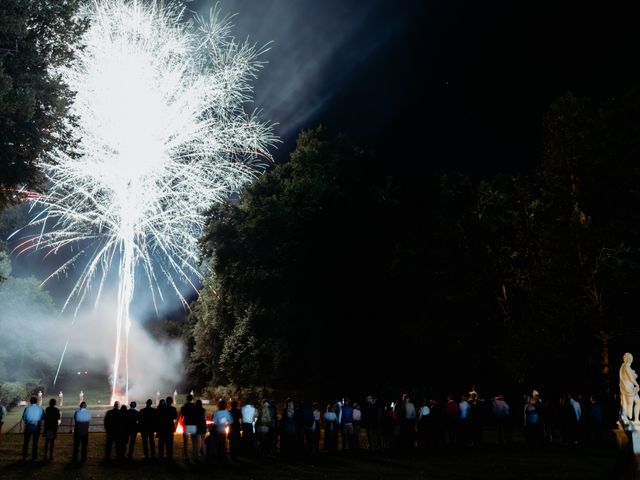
x,y
330,429
51,422
201,429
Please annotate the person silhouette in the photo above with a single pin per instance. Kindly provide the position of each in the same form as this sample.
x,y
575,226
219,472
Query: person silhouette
x,y
81,420
32,416
51,422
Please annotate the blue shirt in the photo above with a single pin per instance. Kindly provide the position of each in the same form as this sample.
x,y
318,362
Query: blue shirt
x,y
82,415
33,414
221,419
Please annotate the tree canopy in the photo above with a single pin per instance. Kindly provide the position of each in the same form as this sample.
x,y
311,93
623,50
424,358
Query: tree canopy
x,y
36,37
330,272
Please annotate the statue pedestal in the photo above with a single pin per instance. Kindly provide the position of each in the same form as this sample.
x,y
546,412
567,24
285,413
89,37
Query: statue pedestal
x,y
628,440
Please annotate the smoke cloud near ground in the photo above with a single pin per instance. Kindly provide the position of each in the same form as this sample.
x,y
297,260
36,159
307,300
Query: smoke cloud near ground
x,y
153,365
34,333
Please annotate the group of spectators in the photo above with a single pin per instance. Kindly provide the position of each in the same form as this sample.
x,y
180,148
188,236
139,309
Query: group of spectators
x,y
257,428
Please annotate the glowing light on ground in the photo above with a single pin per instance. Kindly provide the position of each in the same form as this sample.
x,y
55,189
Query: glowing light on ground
x,y
162,136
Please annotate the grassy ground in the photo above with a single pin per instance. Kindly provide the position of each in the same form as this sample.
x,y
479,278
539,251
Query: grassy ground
x,y
490,462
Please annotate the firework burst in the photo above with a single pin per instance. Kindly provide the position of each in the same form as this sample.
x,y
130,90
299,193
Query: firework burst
x,y
162,135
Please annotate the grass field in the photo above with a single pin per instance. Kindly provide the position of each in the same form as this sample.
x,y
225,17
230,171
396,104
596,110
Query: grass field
x,y
490,462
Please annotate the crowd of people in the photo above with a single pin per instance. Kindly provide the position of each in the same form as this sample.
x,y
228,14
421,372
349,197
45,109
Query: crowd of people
x,y
259,429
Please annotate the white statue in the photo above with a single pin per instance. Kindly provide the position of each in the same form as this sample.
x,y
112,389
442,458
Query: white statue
x,y
175,397
40,397
61,396
629,390
157,398
81,396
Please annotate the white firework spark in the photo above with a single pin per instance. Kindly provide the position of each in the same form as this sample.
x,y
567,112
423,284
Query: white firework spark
x,y
162,136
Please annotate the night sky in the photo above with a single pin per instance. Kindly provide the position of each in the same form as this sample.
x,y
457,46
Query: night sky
x,y
431,86
435,85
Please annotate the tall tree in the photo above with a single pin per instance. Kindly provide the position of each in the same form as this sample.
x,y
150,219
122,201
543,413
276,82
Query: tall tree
x,y
36,37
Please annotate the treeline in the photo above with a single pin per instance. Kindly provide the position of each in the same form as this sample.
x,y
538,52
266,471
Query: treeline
x,y
331,273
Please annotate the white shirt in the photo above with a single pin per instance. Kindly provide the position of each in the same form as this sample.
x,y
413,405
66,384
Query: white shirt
x,y
410,410
464,409
330,417
576,408
249,413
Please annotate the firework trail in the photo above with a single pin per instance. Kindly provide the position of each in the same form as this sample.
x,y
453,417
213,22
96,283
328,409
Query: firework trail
x,y
162,135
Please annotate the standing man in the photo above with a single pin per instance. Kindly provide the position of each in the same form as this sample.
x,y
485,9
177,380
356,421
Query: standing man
x,y
167,416
51,422
188,414
3,414
81,420
111,428
249,418
372,422
148,420
32,416
133,425
408,423
222,420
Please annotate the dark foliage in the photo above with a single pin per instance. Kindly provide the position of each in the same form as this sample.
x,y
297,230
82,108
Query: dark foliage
x,y
36,37
330,274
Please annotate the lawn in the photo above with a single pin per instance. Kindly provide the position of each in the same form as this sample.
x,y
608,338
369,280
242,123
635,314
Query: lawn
x,y
490,462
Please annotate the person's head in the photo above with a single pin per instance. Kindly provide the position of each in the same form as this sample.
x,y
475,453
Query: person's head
x,y
33,400
189,398
329,408
116,405
199,403
315,406
133,404
162,402
234,404
222,405
265,403
169,401
123,408
149,402
405,397
52,402
83,404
